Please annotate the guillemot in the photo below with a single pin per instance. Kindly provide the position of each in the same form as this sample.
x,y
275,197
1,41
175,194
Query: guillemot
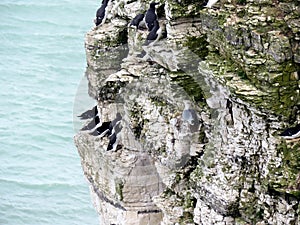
x,y
114,137
291,133
92,124
154,32
150,16
89,113
137,21
107,128
101,13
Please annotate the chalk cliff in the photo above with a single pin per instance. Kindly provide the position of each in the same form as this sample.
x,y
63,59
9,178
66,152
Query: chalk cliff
x,y
219,160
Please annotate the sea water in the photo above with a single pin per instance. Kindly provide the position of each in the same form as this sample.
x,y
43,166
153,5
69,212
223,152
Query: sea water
x,y
42,61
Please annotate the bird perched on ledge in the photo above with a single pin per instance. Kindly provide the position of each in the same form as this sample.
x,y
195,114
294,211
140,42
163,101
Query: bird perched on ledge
x,y
137,21
114,138
151,16
92,124
101,13
291,133
91,113
155,33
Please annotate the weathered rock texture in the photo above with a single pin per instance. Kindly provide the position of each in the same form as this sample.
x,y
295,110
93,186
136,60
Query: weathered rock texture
x,y
238,66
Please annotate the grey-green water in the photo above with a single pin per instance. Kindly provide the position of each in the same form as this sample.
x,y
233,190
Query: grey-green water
x,y
42,61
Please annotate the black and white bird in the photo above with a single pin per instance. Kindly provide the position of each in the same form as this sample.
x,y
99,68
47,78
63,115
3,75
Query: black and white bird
x,y
155,33
91,113
92,124
112,142
108,127
137,21
101,13
104,129
291,133
114,138
151,16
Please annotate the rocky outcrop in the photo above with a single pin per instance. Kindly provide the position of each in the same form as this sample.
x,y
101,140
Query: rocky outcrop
x,y
201,112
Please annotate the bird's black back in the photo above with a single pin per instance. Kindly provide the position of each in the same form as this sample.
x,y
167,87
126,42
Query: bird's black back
x,y
89,113
153,33
112,140
137,19
104,127
100,14
291,131
151,16
92,124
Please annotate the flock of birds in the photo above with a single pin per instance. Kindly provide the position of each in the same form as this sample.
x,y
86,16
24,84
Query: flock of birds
x,y
112,129
148,20
109,129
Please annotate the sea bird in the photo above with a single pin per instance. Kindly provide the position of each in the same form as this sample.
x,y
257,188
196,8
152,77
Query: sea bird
x,y
114,138
91,113
101,13
150,16
92,124
291,133
155,32
108,128
112,142
137,21
104,129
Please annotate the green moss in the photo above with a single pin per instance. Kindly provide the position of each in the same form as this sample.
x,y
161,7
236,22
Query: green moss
x,y
241,13
137,123
186,218
261,30
110,90
197,173
241,2
202,136
222,19
241,221
189,201
190,86
257,78
158,101
295,193
288,68
198,45
284,178
186,8
168,193
162,150
119,189
242,74
178,178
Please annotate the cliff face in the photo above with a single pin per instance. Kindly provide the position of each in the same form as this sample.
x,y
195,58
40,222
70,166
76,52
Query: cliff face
x,y
220,159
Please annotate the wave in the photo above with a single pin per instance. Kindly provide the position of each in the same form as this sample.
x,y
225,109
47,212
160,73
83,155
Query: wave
x,y
40,185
